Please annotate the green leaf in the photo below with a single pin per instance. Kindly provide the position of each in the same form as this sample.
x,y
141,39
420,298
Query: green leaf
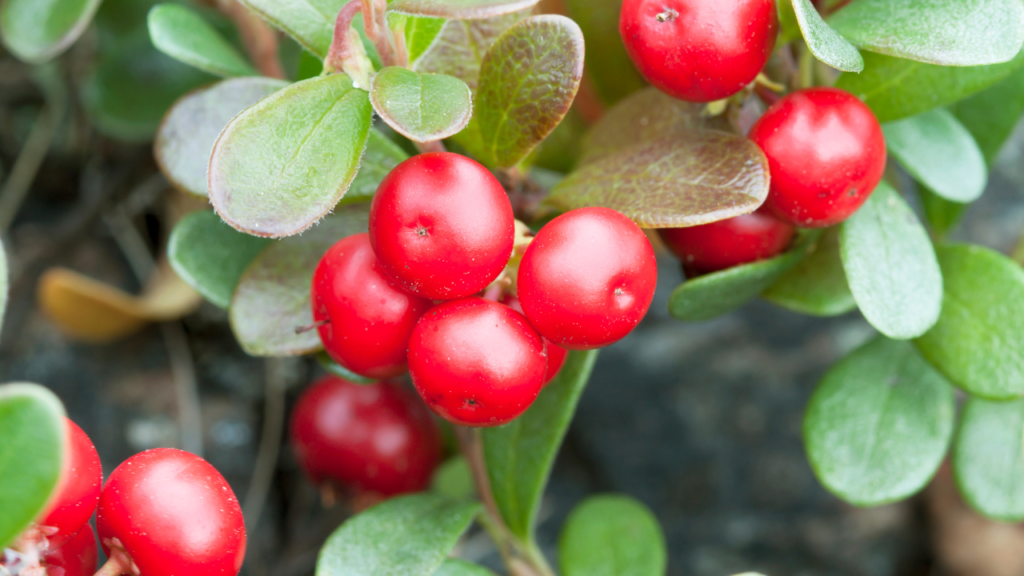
x,y
309,22
132,85
520,454
286,161
31,452
272,297
943,215
421,107
700,177
460,9
452,567
461,45
528,80
454,479
3,283
647,115
309,66
608,65
891,267
895,88
38,30
991,115
987,460
407,536
940,153
420,32
816,285
825,43
381,156
612,535
211,256
943,32
712,295
878,426
328,364
978,342
187,134
184,35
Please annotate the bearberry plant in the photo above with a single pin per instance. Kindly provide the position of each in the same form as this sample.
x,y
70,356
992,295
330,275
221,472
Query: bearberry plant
x,y
430,204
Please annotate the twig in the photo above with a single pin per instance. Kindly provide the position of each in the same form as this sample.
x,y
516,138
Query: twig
x,y
432,146
270,443
135,250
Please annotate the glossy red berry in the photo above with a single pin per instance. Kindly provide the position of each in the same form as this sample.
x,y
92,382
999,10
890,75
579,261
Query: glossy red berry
x,y
556,354
78,490
727,243
587,278
368,318
172,513
377,439
75,558
826,155
699,50
476,362
442,226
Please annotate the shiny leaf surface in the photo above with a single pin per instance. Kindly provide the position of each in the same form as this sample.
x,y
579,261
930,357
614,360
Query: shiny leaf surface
x,y
421,107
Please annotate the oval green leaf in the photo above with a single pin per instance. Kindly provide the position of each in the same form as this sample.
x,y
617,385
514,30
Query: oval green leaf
x,y
407,536
309,22
286,161
991,115
453,567
608,65
943,32
38,30
460,47
460,9
272,297
520,454
978,342
891,267
187,134
988,462
528,80
940,153
612,535
421,107
648,115
712,295
816,285
31,452
825,43
697,178
895,88
185,36
211,256
878,426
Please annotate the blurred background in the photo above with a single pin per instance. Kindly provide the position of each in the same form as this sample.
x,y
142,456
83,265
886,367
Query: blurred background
x,y
701,422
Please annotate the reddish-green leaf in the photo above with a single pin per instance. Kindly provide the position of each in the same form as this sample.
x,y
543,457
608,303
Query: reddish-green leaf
x,y
460,9
647,115
696,178
285,162
190,129
421,107
461,45
272,298
528,80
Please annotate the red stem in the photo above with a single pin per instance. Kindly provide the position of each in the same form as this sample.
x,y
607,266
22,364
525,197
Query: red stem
x,y
342,25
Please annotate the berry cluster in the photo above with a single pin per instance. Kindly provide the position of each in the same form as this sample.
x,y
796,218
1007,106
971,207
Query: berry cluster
x,y
449,286
162,512
825,148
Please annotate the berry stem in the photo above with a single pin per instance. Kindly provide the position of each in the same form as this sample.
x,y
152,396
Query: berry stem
x,y
117,565
432,146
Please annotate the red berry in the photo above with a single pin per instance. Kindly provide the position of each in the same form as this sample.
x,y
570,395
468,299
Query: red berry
x,y
699,50
587,278
369,319
75,558
378,438
826,154
476,362
172,513
556,354
78,491
727,243
442,226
